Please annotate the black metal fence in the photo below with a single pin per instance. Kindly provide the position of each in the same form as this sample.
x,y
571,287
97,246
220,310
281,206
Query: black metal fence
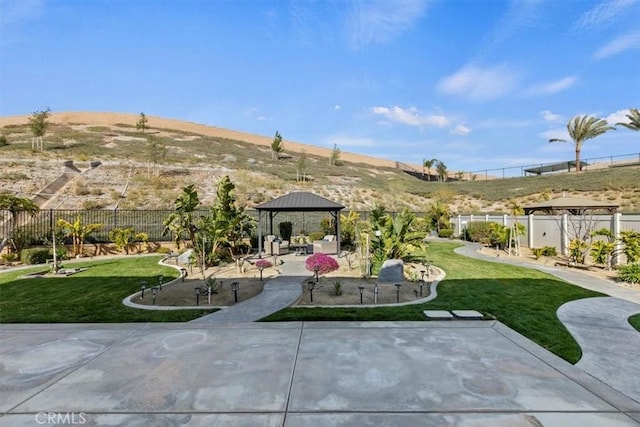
x,y
38,229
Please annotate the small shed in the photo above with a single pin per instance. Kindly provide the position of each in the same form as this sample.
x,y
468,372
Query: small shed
x,y
300,201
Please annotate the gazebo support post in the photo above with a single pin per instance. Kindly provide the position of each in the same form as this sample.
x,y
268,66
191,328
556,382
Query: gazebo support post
x,y
259,234
336,217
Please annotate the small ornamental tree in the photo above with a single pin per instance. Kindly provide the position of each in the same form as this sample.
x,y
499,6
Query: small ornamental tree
x,y
263,263
38,124
324,262
142,125
277,147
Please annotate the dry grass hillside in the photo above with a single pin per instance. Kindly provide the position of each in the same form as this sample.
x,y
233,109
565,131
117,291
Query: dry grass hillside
x,y
201,154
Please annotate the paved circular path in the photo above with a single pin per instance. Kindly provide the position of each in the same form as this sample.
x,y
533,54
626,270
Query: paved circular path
x,y
600,325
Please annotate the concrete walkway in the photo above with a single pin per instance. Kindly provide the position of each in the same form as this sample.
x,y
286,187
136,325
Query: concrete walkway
x,y
278,293
600,325
462,374
610,345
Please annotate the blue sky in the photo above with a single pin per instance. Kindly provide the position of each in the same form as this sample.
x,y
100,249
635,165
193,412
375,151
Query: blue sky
x,y
475,83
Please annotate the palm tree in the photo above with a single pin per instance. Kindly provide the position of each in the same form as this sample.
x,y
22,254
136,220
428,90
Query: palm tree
x,y
429,164
441,170
15,206
634,120
438,216
181,220
78,232
582,128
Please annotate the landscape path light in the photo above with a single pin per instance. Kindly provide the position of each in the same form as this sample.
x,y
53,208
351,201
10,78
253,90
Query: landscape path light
x,y
361,291
197,289
143,286
398,292
160,280
154,291
235,286
375,293
316,270
310,285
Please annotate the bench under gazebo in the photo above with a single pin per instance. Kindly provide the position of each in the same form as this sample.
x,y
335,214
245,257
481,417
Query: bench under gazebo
x,y
300,201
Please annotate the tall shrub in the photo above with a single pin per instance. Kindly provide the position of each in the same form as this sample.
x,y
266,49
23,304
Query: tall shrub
x,y
286,229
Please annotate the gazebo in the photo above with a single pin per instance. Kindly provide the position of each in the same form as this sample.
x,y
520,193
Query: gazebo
x,y
571,205
298,202
574,206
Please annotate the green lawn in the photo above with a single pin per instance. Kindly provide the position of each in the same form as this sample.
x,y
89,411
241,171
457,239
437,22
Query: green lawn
x,y
525,300
635,321
94,295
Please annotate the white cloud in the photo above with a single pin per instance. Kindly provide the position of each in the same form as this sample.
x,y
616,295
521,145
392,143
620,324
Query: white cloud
x,y
604,13
461,130
552,87
618,117
411,116
551,117
337,107
619,45
480,84
378,21
261,118
519,15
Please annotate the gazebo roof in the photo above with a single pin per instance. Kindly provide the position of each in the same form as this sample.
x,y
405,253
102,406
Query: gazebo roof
x,y
570,204
300,201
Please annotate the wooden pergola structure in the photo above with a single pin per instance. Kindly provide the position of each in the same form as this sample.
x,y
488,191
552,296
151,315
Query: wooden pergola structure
x,y
570,205
298,202
573,206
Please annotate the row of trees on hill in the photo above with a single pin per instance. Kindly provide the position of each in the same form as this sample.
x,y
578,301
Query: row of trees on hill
x,y
580,129
440,168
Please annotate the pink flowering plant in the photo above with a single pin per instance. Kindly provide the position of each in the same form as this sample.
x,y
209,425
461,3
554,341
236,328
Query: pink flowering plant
x,y
325,263
263,263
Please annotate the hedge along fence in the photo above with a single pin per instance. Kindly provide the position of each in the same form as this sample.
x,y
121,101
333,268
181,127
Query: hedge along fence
x,y
37,230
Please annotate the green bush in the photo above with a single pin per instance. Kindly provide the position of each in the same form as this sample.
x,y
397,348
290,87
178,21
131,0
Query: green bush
x,y
316,235
544,251
286,229
327,225
34,255
629,273
479,231
163,250
3,141
445,233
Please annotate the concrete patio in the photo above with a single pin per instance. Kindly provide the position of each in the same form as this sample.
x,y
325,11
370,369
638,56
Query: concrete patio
x,y
297,374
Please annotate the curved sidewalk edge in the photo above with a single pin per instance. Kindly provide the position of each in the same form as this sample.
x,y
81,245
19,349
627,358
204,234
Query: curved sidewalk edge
x,y
601,327
278,293
128,301
574,277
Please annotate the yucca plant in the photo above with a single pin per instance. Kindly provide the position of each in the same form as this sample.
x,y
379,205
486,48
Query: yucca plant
x,y
601,252
578,250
